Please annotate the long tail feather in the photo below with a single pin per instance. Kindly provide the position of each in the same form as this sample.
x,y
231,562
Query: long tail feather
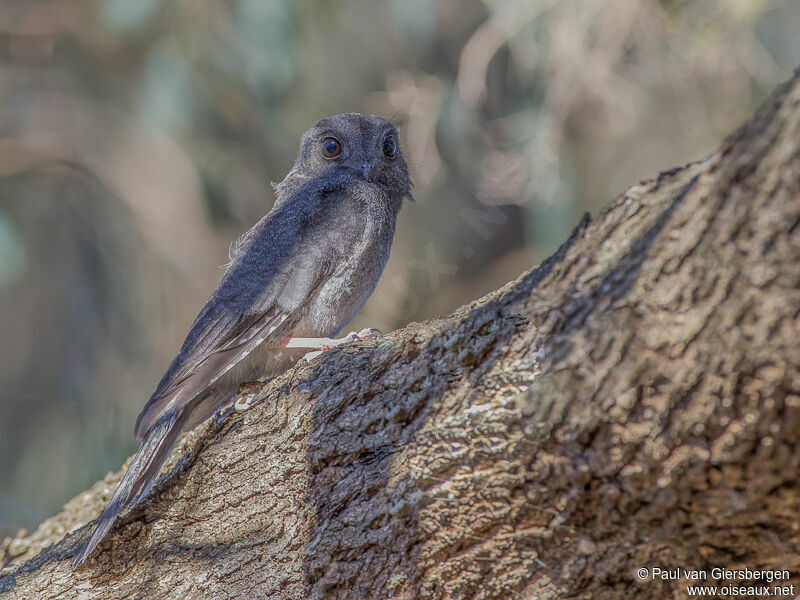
x,y
155,448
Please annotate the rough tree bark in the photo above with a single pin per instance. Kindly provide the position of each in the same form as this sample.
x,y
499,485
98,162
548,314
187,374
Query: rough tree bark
x,y
632,402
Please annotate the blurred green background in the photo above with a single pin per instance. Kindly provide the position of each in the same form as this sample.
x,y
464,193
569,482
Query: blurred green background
x,y
138,139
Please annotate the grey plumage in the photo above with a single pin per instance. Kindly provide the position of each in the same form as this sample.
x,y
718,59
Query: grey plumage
x,y
303,270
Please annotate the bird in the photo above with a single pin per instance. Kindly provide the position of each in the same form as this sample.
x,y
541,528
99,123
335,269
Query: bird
x,y
293,281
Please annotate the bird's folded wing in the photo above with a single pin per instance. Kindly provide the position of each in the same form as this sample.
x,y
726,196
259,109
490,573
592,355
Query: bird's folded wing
x,y
260,298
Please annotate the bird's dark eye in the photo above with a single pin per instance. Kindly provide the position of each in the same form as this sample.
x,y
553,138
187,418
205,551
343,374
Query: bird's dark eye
x,y
331,148
389,146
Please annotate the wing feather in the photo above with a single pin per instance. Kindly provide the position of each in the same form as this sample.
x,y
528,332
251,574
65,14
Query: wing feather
x,y
262,295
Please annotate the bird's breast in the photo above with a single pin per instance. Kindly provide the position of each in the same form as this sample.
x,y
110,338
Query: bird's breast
x,y
348,288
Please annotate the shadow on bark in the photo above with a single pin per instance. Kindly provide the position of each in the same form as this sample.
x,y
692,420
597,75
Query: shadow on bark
x,y
365,505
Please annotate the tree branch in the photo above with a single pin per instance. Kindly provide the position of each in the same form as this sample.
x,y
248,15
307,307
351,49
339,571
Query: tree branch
x,y
632,402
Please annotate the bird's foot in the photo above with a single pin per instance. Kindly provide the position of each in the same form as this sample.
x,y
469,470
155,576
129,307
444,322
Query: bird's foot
x,y
360,335
320,345
246,394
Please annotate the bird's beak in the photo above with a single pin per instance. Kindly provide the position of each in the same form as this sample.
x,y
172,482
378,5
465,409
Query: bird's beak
x,y
366,169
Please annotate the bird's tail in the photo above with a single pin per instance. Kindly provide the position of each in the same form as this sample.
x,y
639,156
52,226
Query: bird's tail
x,y
136,482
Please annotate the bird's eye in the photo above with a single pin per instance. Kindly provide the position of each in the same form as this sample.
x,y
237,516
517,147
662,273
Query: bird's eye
x,y
331,147
389,146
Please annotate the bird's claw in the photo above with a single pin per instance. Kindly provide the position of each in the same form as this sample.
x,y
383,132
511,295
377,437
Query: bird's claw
x,y
310,356
368,331
332,343
246,394
360,335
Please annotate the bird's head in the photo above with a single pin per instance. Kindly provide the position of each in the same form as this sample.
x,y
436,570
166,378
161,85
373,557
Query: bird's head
x,y
355,145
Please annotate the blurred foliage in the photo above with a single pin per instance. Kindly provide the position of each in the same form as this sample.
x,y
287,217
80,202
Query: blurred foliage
x,y
138,139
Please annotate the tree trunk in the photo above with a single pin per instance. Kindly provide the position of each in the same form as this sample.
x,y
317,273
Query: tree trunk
x,y
633,402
